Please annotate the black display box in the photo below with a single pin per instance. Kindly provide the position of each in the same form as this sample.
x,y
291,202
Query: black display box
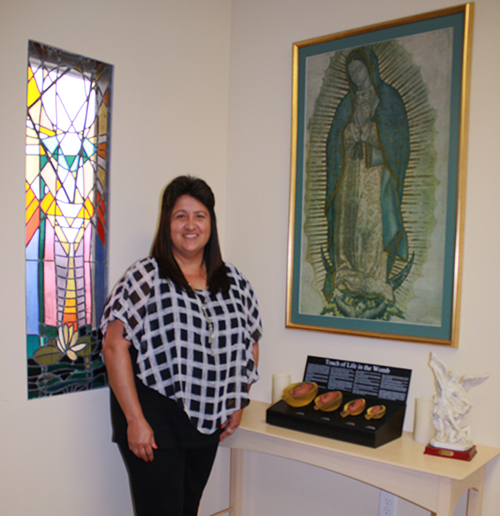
x,y
378,385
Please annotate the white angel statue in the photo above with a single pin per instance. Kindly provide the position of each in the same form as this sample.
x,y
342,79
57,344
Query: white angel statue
x,y
451,406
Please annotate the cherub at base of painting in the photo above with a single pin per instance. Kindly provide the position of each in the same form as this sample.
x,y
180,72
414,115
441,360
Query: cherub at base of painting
x,y
346,303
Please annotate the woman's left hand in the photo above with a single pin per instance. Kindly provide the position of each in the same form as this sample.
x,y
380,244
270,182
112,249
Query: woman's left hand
x,y
231,424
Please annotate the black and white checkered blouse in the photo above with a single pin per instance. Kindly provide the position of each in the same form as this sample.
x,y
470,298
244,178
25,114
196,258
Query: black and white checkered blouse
x,y
194,348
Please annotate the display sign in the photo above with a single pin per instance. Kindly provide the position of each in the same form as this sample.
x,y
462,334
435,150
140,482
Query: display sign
x,y
383,382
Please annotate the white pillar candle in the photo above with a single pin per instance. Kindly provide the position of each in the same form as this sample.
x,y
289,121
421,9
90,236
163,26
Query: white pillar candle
x,y
280,382
423,431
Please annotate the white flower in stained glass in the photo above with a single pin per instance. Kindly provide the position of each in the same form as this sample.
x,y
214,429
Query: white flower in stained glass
x,y
67,341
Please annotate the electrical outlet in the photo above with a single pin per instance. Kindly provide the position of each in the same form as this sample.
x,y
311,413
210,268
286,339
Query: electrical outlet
x,y
387,504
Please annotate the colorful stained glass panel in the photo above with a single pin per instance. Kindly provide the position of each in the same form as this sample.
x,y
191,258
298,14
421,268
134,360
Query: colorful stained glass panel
x,y
67,164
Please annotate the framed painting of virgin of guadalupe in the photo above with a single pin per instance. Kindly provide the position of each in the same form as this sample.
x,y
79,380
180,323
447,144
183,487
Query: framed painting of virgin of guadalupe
x,y
379,143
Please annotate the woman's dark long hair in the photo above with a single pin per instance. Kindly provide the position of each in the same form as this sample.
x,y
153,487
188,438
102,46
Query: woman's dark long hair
x,y
161,250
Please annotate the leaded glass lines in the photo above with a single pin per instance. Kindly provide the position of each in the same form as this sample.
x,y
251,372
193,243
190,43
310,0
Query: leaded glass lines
x,y
67,164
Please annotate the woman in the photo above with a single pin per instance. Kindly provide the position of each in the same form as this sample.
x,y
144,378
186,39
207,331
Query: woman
x,y
367,152
181,347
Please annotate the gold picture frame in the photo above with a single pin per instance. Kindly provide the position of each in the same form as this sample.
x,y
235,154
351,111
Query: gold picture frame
x,y
378,166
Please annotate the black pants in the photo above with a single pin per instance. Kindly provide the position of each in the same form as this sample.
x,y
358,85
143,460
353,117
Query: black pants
x,y
172,484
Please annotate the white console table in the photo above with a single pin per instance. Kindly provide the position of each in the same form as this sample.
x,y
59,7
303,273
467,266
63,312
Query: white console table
x,y
399,467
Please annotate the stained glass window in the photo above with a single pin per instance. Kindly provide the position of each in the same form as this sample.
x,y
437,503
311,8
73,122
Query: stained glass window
x,y
67,162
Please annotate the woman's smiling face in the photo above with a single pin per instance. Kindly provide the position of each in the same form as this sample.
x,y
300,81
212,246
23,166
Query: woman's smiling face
x,y
189,227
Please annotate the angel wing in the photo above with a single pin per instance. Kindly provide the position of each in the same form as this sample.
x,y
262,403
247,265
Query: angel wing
x,y
440,371
435,363
468,382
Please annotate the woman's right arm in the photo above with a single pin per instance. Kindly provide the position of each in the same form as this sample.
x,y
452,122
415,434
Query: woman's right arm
x,y
122,381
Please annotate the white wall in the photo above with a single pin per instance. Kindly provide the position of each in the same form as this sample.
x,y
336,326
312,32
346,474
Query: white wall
x,y
256,235
176,65
169,117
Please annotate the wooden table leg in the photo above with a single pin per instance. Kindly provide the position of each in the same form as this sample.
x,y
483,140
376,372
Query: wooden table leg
x,y
236,481
445,498
450,492
475,496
